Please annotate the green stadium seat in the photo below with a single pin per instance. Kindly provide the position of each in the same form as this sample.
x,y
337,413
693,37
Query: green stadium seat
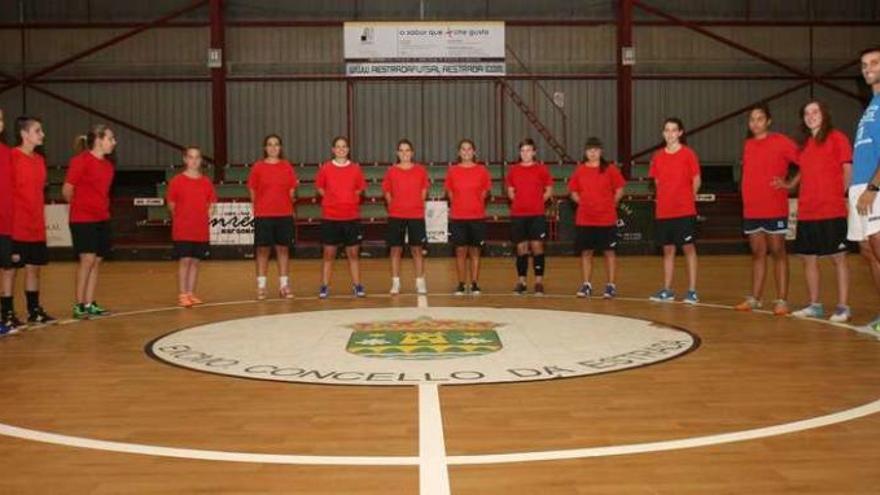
x,y
308,211
158,214
374,191
436,191
498,210
232,191
638,187
497,190
560,188
306,173
307,191
495,171
437,173
374,173
639,170
560,171
161,189
236,174
374,211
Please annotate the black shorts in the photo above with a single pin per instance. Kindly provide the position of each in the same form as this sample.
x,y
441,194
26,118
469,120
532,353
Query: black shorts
x,y
30,253
775,226
189,249
6,262
407,230
467,232
273,231
590,238
345,232
91,238
821,237
677,231
528,229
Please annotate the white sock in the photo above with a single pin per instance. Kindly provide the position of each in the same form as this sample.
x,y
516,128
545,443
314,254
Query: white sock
x,y
283,281
261,282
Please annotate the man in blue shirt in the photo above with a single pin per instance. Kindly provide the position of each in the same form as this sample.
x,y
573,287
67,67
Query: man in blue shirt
x,y
864,214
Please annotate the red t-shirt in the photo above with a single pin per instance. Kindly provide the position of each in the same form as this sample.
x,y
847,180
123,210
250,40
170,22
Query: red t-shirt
x,y
91,178
467,186
192,198
821,193
28,182
342,190
763,160
5,190
596,191
272,184
528,183
674,175
405,187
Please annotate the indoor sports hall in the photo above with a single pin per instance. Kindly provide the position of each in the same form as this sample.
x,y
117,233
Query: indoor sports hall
x,y
440,247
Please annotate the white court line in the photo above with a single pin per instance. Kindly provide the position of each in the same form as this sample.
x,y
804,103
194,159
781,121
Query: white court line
x,y
422,302
433,470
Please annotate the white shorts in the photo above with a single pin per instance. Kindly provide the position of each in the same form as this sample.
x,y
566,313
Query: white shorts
x,y
860,227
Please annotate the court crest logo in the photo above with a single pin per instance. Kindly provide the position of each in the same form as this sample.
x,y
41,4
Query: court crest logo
x,y
423,339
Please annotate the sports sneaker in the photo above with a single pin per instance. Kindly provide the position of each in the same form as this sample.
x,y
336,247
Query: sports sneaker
x,y
38,316
520,289
814,310
460,290
842,314
395,286
6,330
421,286
184,301
323,292
284,292
586,290
749,304
691,297
95,310
663,295
11,320
475,289
195,300
872,327
80,312
539,289
780,307
610,291
358,290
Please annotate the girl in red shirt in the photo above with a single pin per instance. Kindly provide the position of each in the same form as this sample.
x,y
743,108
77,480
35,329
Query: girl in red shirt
x,y
190,198
28,214
7,265
467,186
597,187
272,184
766,156
825,163
340,183
676,173
87,189
529,186
405,187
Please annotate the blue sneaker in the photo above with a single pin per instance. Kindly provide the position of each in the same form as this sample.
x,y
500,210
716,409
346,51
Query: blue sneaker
x,y
359,291
610,291
842,314
814,310
323,292
691,297
663,295
586,290
6,330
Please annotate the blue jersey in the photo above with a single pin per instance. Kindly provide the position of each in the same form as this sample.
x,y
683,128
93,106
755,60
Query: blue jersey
x,y
866,152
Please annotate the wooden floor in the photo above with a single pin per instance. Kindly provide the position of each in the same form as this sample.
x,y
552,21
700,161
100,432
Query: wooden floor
x,y
94,380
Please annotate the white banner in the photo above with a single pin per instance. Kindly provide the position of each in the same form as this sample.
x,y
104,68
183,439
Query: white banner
x,y
428,49
437,221
792,219
57,228
232,224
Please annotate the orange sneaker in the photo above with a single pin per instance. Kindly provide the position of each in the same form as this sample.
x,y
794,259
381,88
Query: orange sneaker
x,y
285,293
780,308
748,305
262,293
195,300
184,301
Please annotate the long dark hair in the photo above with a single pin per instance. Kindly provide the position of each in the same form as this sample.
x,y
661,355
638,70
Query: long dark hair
x,y
824,129
266,143
763,108
595,142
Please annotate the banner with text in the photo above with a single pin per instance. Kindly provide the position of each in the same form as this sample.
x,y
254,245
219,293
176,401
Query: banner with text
x,y
57,228
424,49
232,224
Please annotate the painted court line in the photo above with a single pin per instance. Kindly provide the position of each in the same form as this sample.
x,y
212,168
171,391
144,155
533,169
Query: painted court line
x,y
433,471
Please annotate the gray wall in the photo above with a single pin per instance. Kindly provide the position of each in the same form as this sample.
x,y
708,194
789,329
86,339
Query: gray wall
x,y
434,114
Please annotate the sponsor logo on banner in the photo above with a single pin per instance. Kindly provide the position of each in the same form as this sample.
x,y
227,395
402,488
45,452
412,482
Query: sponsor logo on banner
x,y
232,224
426,49
437,221
423,338
57,226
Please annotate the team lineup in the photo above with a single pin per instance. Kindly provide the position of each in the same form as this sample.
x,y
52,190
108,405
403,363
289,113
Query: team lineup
x,y
837,183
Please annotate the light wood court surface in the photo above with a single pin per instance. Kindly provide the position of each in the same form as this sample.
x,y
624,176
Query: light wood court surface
x,y
94,380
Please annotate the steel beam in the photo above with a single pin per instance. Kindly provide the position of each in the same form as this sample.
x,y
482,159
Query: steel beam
x,y
624,85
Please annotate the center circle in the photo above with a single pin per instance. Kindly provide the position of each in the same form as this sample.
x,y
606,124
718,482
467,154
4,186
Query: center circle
x,y
415,346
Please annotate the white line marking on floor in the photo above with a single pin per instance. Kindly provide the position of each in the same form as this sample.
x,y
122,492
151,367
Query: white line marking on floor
x,y
433,471
422,302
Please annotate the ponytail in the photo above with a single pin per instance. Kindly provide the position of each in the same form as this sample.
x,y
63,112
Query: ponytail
x,y
80,144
